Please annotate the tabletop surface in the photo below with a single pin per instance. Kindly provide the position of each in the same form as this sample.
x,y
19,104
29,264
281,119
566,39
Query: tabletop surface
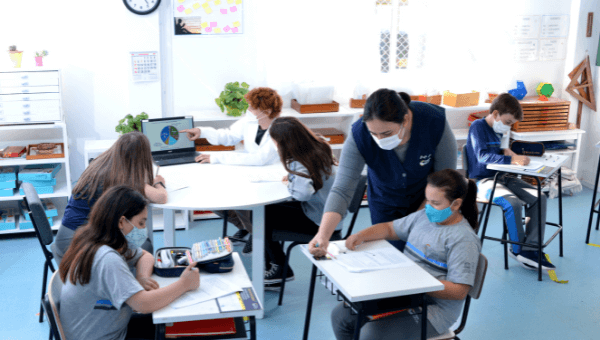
x,y
221,187
552,161
377,284
209,309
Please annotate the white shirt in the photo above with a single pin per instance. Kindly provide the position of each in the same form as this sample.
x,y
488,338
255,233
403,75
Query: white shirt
x,y
244,129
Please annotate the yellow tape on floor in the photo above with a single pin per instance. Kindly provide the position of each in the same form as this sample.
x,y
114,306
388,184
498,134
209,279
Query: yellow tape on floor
x,y
594,245
552,273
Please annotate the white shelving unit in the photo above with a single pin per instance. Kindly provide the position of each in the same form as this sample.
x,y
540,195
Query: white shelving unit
x,y
32,134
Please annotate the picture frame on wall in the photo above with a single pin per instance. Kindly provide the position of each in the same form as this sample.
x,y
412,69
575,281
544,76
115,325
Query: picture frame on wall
x,y
215,17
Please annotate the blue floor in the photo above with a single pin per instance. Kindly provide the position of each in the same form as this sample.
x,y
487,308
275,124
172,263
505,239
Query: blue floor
x,y
513,305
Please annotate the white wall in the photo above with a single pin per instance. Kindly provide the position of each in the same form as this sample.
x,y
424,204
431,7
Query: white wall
x,y
590,120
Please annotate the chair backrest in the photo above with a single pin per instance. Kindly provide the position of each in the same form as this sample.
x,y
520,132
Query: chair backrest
x,y
359,194
53,300
37,214
465,161
482,264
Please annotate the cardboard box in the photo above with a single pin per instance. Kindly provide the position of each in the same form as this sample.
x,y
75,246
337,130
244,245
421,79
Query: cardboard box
x,y
8,173
7,219
41,172
462,99
8,184
14,151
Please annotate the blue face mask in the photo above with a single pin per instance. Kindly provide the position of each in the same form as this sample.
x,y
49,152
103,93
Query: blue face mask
x,y
136,237
437,216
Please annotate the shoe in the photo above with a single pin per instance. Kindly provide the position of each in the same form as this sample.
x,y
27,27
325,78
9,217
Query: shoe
x,y
275,274
528,260
239,237
273,287
247,251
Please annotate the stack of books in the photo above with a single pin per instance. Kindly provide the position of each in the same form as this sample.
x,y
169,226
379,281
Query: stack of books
x,y
25,220
41,176
8,181
7,219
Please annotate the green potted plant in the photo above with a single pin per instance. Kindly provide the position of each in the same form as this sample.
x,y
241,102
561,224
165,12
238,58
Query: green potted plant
x,y
15,56
130,123
232,99
39,55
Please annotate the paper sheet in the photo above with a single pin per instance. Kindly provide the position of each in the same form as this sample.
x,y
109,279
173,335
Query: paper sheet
x,y
272,175
367,260
532,166
211,287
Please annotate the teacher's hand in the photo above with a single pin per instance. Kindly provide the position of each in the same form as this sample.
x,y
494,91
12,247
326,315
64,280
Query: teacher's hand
x,y
203,158
318,246
353,241
285,180
192,134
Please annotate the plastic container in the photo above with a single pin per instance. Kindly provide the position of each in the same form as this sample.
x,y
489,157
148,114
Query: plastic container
x,y
313,93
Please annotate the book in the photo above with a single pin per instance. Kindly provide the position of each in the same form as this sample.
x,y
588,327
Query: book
x,y
244,300
8,173
200,328
39,172
14,151
49,208
7,219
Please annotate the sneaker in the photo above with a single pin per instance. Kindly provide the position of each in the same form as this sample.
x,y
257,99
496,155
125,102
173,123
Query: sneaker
x,y
273,287
239,237
275,274
247,251
528,260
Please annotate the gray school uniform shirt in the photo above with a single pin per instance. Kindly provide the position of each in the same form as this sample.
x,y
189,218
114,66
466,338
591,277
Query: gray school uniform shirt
x,y
302,189
98,310
447,253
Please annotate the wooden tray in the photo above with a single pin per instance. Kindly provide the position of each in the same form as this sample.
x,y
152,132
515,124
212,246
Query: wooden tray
x,y
357,103
202,144
316,108
436,100
332,135
59,152
461,99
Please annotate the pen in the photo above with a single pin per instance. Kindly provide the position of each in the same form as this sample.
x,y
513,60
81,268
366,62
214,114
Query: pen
x,y
332,255
157,169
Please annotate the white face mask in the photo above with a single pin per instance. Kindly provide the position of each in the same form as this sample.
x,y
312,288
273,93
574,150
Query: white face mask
x,y
256,118
499,127
136,237
389,143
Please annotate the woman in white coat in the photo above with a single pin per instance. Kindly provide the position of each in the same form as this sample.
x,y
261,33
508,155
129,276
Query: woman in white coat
x,y
264,106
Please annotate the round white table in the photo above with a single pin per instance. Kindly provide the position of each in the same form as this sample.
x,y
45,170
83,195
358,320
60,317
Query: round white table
x,y
224,187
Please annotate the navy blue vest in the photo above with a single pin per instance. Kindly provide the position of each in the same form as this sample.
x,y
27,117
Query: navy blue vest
x,y
395,186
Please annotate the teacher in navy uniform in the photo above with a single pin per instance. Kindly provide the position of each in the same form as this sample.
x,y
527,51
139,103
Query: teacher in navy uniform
x,y
401,142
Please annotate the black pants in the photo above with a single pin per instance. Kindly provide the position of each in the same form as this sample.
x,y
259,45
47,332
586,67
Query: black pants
x,y
284,216
140,327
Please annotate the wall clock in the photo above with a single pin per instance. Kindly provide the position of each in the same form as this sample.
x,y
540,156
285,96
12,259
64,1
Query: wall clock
x,y
141,7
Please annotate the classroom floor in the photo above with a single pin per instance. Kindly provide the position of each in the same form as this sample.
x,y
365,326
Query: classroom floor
x,y
513,305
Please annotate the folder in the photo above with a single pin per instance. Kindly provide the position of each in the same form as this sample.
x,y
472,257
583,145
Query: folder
x,y
200,328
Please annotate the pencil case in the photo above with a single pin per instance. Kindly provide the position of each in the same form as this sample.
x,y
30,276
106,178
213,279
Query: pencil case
x,y
527,148
171,261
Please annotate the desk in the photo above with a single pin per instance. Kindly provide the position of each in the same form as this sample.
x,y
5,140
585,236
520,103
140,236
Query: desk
x,y
554,163
358,287
224,187
207,310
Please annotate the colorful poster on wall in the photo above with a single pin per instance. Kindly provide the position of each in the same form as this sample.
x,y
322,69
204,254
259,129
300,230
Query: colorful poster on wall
x,y
208,17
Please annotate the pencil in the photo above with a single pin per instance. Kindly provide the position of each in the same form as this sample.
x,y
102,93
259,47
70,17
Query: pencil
x,y
157,169
335,258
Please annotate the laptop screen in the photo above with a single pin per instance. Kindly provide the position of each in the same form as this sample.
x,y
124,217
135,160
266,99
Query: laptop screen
x,y
164,133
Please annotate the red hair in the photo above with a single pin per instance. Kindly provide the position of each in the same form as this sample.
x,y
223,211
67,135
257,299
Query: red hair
x,y
265,99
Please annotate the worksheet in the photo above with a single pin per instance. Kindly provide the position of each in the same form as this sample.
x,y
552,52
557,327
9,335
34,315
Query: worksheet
x,y
211,287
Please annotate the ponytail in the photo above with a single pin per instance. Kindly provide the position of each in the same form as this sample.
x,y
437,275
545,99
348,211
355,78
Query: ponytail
x,y
457,186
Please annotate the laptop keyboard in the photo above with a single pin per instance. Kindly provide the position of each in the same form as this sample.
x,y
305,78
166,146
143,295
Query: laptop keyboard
x,y
175,156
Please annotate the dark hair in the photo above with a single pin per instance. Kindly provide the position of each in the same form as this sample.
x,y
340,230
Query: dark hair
x,y
386,105
457,186
127,162
295,142
264,99
102,229
505,103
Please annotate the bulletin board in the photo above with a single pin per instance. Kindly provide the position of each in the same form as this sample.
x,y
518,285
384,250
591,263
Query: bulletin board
x,y
207,17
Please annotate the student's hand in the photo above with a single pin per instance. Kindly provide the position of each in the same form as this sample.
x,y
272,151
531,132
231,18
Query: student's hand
x,y
285,180
509,152
192,134
159,179
203,158
353,241
520,160
148,283
190,277
321,250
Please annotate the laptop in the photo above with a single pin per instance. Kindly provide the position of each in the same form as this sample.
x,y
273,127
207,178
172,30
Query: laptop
x,y
167,144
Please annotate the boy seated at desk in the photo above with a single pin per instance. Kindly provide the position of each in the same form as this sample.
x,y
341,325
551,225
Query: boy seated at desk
x,y
483,148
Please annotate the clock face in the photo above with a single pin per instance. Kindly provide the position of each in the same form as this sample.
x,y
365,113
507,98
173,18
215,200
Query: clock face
x,y
141,6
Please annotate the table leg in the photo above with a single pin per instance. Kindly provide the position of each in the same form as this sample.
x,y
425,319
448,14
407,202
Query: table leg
x,y
424,319
560,216
358,326
540,240
252,328
587,238
169,227
258,254
159,331
311,293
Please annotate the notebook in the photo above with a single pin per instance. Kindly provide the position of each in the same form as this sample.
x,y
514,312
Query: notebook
x,y
168,146
200,328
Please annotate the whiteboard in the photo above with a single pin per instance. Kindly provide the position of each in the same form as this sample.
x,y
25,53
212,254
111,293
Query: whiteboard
x,y
207,17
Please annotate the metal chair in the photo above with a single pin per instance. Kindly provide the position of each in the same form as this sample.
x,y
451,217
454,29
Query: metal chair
x,y
301,238
51,303
43,231
594,209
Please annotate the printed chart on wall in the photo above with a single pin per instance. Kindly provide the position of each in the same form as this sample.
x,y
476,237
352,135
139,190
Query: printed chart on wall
x,y
207,17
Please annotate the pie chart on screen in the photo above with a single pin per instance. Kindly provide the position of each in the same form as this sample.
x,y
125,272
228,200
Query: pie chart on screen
x,y
169,135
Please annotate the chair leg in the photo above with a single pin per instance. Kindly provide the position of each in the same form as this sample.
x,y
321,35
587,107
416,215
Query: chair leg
x,y
505,237
285,271
225,223
44,280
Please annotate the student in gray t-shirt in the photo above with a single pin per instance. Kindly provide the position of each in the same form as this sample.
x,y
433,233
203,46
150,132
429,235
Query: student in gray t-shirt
x,y
440,239
100,291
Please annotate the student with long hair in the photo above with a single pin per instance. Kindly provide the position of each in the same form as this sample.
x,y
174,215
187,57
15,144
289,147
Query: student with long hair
x,y
100,291
310,165
253,129
442,239
127,162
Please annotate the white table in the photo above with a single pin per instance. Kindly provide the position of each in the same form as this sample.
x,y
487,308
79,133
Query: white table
x,y
224,187
207,310
367,286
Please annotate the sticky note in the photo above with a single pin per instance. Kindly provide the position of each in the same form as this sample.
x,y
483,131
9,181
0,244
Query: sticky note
x,y
204,24
236,24
230,1
188,11
196,5
238,2
213,24
226,28
181,1
205,5
217,2
233,9
208,29
223,11
234,30
208,10
180,8
217,30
